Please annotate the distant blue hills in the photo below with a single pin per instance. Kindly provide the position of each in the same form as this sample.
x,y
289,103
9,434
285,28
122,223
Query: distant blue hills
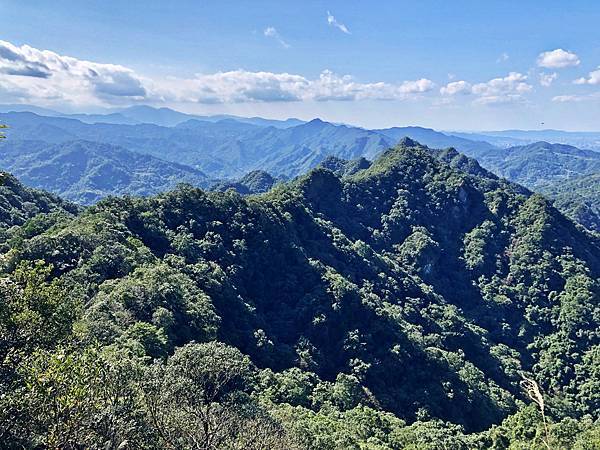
x,y
142,150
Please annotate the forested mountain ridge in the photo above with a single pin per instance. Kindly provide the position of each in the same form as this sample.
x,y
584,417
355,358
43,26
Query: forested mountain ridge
x,y
85,172
220,152
255,182
564,173
539,163
578,197
223,149
19,203
408,287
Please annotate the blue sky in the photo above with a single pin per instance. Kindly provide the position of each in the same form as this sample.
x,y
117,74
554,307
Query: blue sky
x,y
445,64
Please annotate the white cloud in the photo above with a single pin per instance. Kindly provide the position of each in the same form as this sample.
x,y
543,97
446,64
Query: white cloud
x,y
332,21
242,86
502,90
416,87
568,98
456,87
237,86
546,79
508,89
46,78
43,75
593,78
273,33
558,59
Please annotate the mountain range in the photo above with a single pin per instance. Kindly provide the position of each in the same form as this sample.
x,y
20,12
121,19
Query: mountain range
x,y
538,163
511,138
220,150
401,305
85,172
146,114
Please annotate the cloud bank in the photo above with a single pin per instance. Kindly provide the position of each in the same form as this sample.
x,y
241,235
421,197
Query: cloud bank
x,y
42,74
241,86
502,90
28,74
46,78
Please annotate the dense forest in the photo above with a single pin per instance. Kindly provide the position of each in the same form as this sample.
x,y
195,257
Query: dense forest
x,y
539,163
85,172
143,151
578,197
565,174
416,302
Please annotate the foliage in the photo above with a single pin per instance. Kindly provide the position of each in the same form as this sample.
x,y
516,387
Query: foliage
x,y
255,182
397,307
19,203
87,157
85,171
578,198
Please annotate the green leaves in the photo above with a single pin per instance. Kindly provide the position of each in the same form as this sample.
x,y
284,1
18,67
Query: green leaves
x,y
408,292
35,312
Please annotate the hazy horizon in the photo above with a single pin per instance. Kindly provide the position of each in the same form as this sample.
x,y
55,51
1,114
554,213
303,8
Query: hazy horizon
x,y
23,107
459,66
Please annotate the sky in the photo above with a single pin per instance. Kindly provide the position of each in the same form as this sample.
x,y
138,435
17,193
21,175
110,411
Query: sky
x,y
453,65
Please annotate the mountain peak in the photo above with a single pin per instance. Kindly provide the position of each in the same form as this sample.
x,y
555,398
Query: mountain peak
x,y
316,122
408,142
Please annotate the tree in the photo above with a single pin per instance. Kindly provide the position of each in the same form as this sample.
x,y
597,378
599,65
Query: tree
x,y
75,398
195,399
34,312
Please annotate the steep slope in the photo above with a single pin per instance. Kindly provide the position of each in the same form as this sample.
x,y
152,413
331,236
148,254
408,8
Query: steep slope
x,y
539,163
459,161
85,171
578,197
409,286
19,203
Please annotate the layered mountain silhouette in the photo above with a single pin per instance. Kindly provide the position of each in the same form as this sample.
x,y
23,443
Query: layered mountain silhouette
x,y
220,150
84,171
423,282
